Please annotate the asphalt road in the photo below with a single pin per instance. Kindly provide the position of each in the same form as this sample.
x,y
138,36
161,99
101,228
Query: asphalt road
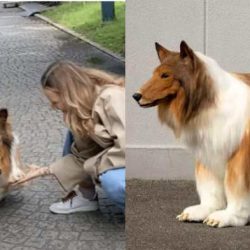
x,y
152,207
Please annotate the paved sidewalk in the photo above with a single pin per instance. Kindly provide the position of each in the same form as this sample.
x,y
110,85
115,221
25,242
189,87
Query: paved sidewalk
x,y
27,47
151,224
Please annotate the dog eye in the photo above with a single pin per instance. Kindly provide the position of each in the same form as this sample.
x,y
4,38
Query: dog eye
x,y
164,75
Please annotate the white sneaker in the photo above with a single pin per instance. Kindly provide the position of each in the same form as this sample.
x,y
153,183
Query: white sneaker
x,y
73,203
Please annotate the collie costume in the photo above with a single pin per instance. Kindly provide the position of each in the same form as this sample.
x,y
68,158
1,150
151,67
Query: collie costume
x,y
11,166
208,108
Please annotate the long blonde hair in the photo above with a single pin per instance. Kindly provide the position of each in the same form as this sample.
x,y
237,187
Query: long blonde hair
x,y
77,87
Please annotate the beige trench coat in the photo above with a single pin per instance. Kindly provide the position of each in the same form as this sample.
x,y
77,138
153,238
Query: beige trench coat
x,y
103,150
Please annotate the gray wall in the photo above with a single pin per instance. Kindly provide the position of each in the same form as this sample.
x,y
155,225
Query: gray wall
x,y
220,29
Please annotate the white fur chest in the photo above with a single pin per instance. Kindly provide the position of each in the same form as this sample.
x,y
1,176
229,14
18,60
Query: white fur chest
x,y
217,132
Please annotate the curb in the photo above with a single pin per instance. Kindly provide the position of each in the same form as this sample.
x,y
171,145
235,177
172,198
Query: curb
x,y
81,37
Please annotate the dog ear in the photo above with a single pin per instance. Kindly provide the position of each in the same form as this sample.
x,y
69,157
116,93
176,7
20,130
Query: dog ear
x,y
187,52
161,51
3,115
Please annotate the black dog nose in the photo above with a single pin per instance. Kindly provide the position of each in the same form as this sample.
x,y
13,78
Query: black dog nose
x,y
137,96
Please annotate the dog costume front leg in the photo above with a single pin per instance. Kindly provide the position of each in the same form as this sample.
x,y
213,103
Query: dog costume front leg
x,y
17,166
237,188
211,193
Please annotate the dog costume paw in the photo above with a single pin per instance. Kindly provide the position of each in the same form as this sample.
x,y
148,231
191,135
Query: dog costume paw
x,y
195,213
224,218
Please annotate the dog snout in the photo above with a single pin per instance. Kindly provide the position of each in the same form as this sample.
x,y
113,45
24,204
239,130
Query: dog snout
x,y
137,96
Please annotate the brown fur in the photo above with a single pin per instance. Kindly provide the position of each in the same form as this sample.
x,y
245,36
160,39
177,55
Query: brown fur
x,y
245,77
6,139
179,86
5,162
201,171
238,169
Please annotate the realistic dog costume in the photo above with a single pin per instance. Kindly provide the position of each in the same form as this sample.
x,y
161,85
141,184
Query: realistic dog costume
x,y
11,167
209,109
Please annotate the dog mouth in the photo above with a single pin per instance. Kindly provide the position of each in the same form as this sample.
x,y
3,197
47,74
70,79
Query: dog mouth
x,y
165,100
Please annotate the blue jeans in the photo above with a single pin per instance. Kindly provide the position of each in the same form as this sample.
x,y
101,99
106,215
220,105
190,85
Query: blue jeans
x,y
112,181
67,144
113,184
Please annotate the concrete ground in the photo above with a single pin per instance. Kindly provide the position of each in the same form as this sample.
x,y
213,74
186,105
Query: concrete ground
x,y
27,47
151,224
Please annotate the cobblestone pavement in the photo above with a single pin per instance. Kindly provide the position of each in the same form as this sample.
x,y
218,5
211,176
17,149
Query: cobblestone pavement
x,y
27,46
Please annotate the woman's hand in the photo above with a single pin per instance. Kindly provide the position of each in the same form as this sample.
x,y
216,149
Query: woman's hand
x,y
34,172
